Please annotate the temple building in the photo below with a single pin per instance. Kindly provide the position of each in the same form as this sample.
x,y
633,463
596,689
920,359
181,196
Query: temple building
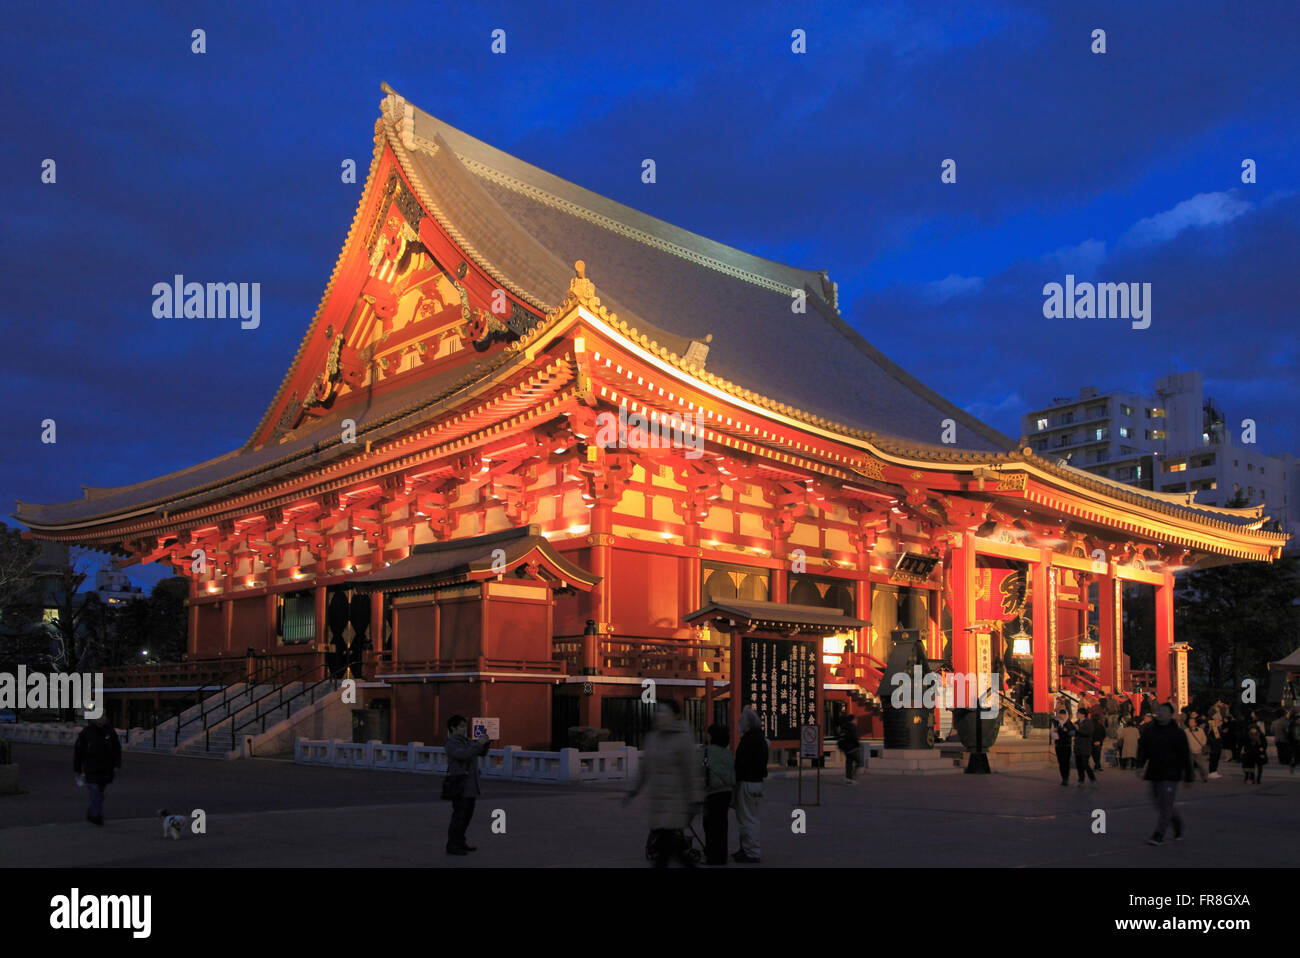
x,y
537,447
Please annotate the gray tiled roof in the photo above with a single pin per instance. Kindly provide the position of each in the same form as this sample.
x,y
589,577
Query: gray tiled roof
x,y
687,286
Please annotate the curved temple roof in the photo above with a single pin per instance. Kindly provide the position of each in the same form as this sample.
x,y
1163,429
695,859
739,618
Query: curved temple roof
x,y
525,227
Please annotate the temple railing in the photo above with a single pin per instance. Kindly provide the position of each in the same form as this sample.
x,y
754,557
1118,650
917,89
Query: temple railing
x,y
854,668
664,658
198,672
478,664
260,668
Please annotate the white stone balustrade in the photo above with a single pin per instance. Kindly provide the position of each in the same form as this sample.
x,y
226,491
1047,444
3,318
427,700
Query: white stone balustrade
x,y
507,763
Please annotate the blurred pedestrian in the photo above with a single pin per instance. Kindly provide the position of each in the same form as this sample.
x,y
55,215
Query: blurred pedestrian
x,y
751,770
1281,729
669,772
95,756
719,789
1163,751
460,783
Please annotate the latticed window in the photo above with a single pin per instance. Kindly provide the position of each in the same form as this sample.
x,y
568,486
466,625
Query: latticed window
x,y
297,618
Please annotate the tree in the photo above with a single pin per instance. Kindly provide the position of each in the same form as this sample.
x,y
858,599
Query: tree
x,y
155,625
1238,618
19,597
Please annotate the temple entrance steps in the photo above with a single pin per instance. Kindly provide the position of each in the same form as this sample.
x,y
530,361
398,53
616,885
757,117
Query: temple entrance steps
x,y
263,720
193,720
1013,753
265,711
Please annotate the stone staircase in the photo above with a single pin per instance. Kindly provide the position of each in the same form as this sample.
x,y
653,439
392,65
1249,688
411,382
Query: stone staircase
x,y
190,722
250,711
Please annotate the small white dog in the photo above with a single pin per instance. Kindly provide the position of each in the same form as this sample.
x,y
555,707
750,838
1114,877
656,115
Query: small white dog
x,y
172,825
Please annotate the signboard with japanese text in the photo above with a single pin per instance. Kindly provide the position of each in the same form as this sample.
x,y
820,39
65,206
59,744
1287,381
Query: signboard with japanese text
x,y
778,680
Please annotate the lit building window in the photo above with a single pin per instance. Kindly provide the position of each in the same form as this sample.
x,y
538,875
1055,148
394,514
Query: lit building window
x,y
1042,424
1124,432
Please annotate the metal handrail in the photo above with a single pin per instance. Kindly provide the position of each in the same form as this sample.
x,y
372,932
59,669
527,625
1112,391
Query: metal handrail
x,y
277,688
328,677
1026,722
203,714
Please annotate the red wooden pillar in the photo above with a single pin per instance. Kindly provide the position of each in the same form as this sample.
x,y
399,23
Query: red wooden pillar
x,y
321,637
1116,586
376,621
227,623
780,575
272,600
1164,637
1042,614
963,604
934,647
1107,669
193,639
601,599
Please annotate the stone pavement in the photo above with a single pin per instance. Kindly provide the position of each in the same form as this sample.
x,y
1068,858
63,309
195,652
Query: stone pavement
x,y
272,813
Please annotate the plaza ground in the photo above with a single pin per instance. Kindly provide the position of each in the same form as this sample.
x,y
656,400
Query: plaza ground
x,y
266,813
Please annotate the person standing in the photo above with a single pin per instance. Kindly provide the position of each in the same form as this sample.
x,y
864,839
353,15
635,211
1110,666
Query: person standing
x,y
1214,741
751,770
851,745
1254,753
1128,743
669,771
1098,736
460,784
1197,745
1084,733
1062,738
1163,752
95,756
719,787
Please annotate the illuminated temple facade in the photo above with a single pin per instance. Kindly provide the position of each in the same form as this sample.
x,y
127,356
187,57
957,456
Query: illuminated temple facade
x,y
440,494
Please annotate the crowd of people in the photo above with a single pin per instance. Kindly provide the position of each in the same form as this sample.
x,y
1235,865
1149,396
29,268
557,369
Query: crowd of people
x,y
1222,734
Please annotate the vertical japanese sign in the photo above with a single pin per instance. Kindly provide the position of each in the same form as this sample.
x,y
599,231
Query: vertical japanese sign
x,y
779,682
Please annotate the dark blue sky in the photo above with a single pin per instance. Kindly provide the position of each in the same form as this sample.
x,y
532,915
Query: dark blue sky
x,y
225,167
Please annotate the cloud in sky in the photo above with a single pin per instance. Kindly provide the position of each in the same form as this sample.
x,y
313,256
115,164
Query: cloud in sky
x,y
1201,210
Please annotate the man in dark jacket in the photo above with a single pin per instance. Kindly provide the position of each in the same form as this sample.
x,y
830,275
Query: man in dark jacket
x,y
1163,750
94,758
1098,737
1062,736
461,784
751,769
